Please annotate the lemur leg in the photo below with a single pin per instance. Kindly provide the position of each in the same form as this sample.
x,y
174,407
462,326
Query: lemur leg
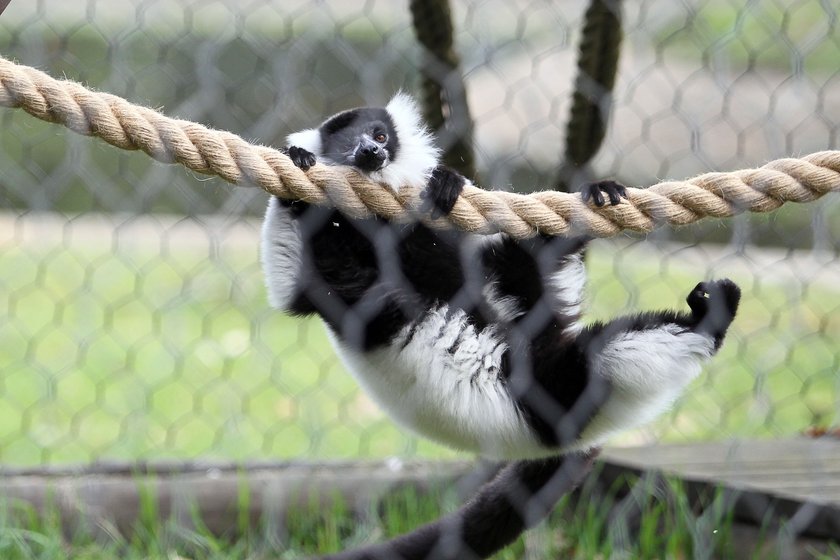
x,y
647,360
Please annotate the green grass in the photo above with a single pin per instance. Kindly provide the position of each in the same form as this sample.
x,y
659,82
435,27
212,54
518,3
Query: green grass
x,y
658,522
129,353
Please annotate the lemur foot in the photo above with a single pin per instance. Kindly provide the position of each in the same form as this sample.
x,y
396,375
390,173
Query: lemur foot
x,y
713,307
300,157
442,190
595,191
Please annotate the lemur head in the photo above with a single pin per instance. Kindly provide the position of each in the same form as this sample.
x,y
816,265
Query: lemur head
x,y
364,138
391,144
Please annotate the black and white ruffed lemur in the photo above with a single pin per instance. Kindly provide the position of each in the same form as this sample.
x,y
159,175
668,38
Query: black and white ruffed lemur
x,y
474,341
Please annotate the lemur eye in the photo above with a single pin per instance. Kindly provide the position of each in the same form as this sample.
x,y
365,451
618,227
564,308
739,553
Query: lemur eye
x,y
380,138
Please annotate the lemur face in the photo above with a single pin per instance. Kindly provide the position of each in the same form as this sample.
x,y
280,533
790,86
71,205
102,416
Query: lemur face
x,y
364,138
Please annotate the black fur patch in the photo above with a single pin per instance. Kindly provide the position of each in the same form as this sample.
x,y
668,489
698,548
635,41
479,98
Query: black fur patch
x,y
339,121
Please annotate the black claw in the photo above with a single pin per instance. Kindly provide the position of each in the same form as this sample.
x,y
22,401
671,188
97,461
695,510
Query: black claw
x,y
595,192
442,191
301,157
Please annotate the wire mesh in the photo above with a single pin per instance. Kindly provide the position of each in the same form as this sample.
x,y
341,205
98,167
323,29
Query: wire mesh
x,y
135,323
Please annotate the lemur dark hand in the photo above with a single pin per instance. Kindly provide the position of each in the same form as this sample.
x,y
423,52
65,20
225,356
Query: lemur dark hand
x,y
595,191
300,157
442,190
303,159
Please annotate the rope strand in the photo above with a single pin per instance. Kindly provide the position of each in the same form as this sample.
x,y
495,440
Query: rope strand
x,y
214,152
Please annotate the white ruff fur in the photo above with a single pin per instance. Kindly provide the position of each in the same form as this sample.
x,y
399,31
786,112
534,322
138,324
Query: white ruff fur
x,y
280,252
417,155
648,370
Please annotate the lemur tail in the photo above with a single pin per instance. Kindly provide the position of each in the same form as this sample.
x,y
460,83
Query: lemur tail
x,y
521,495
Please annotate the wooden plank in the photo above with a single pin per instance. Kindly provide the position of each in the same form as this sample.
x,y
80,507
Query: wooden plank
x,y
804,469
105,496
796,479
786,451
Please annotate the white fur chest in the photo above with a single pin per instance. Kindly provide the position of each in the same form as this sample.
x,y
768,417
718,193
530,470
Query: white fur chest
x,y
441,379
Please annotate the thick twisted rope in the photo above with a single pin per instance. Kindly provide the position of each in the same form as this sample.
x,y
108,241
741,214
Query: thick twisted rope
x,y
215,152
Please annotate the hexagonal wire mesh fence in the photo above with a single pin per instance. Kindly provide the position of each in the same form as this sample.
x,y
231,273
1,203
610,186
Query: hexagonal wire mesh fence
x,y
135,323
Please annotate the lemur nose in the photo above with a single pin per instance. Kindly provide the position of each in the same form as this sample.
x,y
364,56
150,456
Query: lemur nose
x,y
370,150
